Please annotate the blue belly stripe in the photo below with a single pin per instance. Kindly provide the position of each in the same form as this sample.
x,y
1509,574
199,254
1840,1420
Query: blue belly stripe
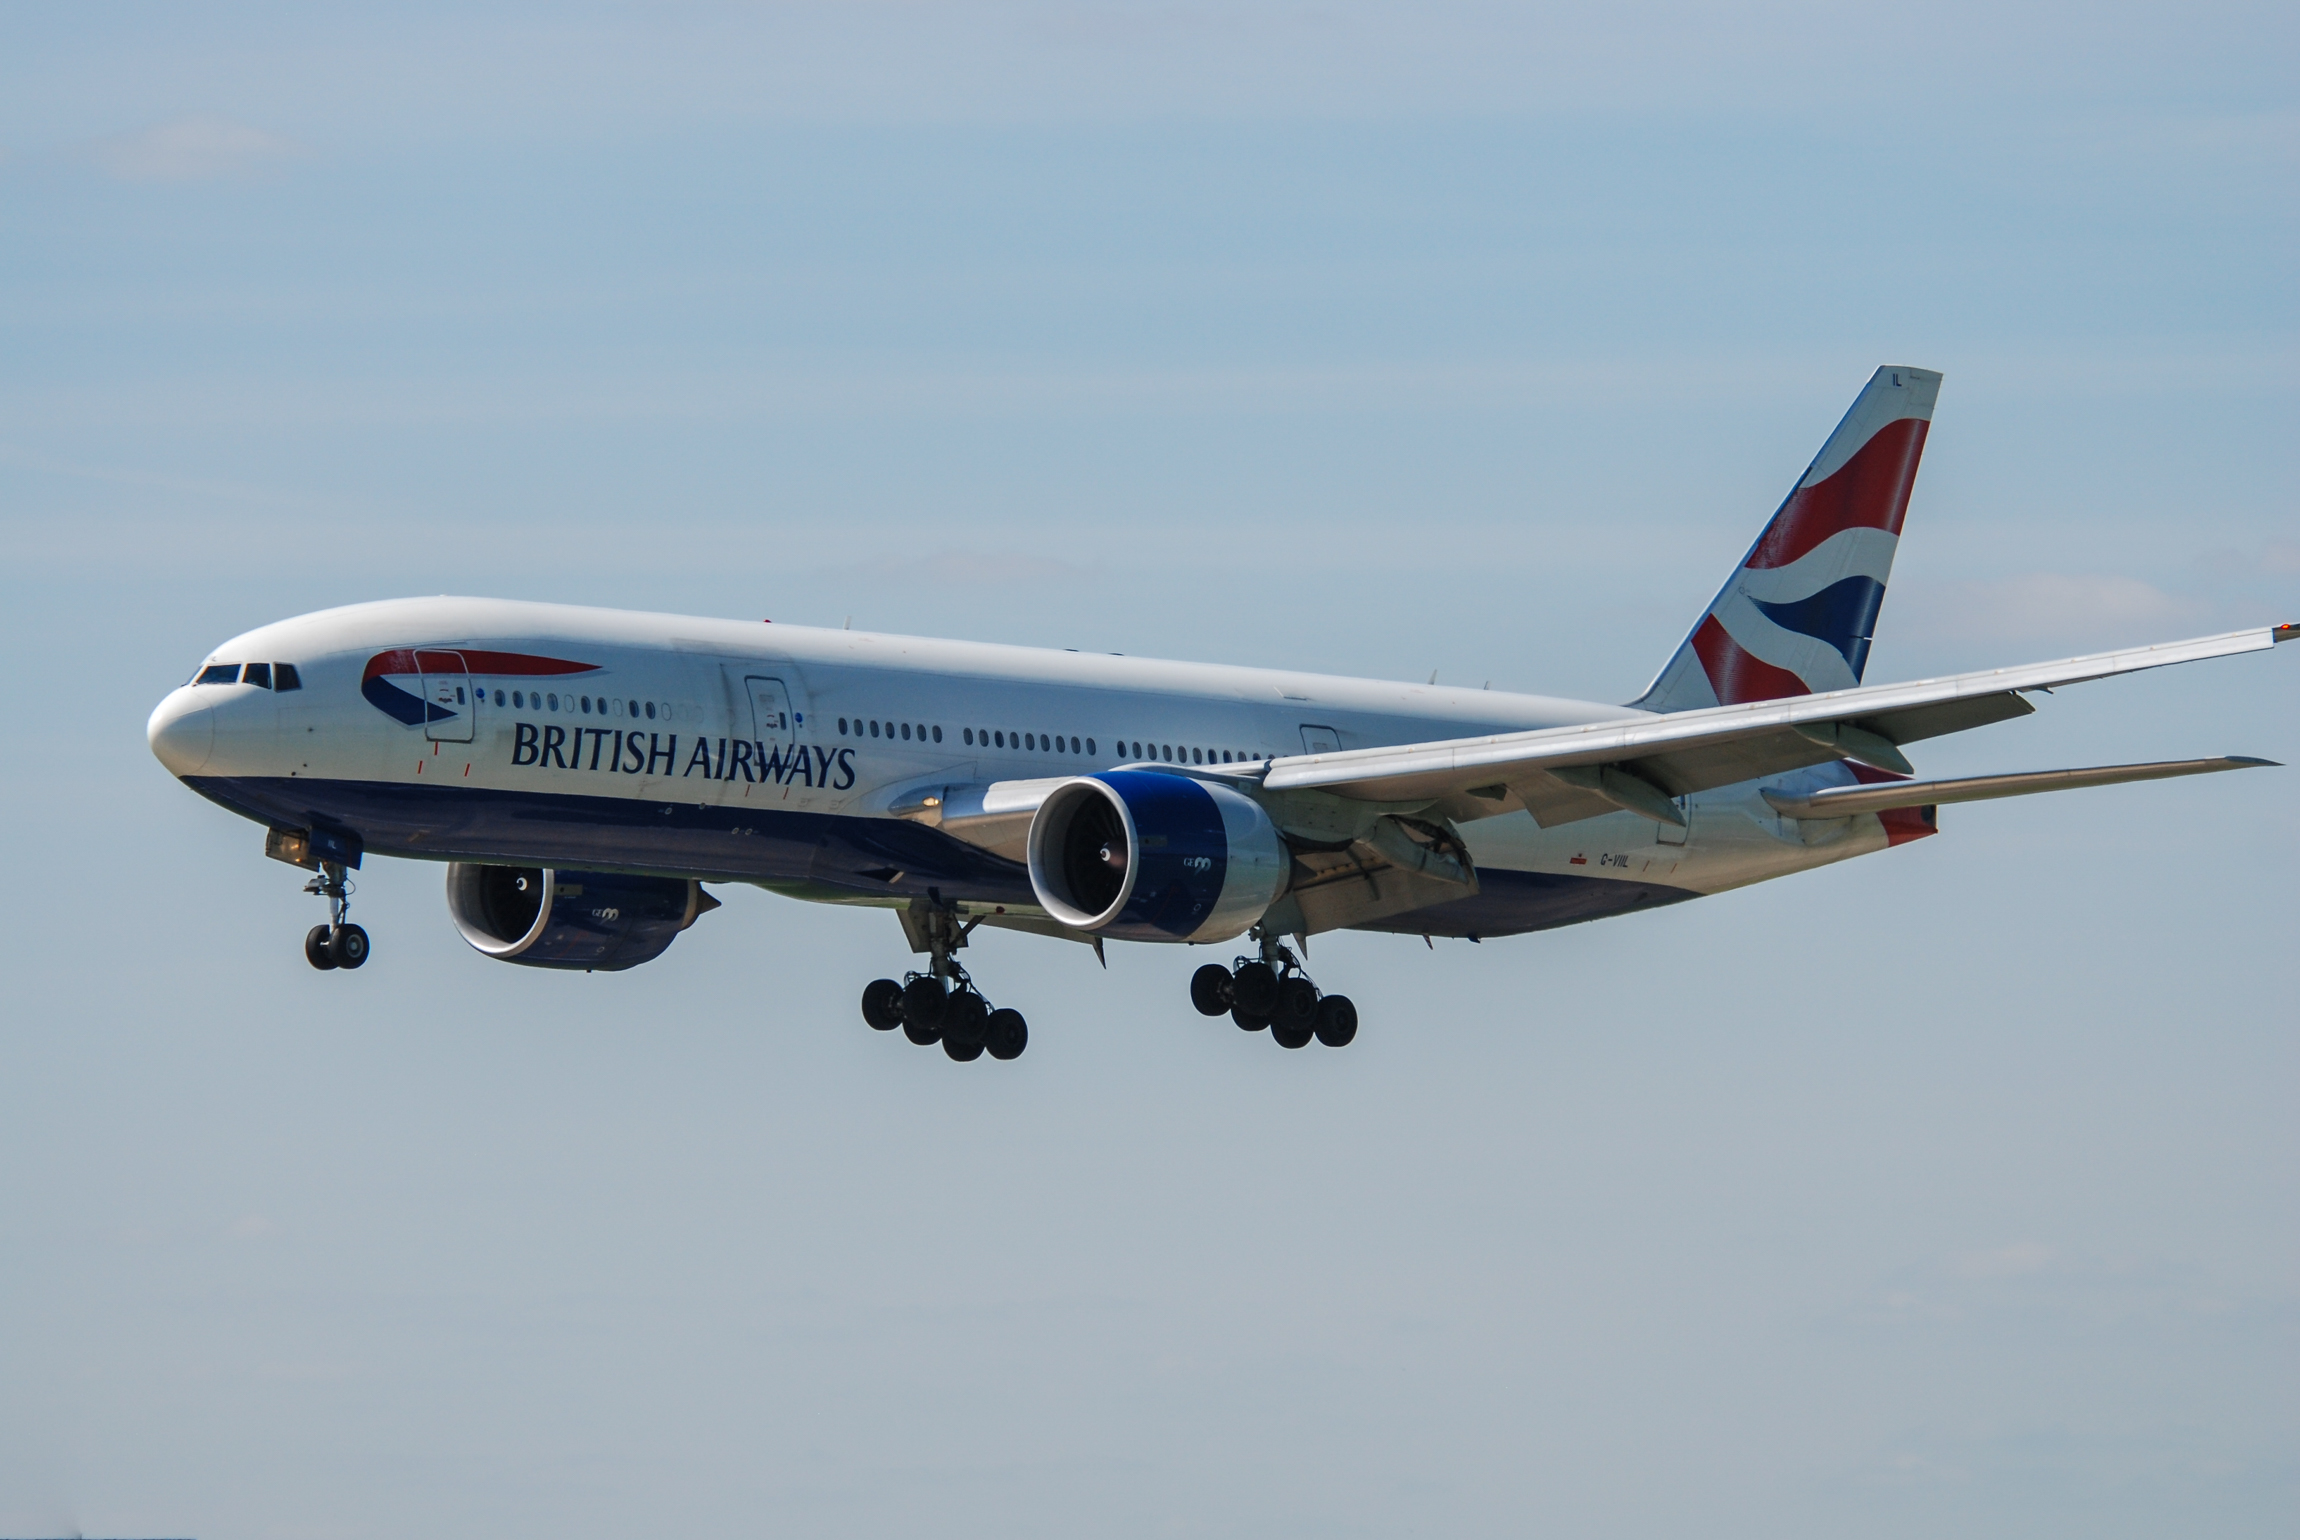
x,y
873,857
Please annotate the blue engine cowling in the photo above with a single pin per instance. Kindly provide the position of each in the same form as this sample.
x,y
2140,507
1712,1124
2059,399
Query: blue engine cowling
x,y
596,921
1144,855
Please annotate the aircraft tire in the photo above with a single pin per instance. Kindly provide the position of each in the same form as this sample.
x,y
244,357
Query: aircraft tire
x,y
1210,990
1337,1021
315,948
963,1018
1290,1037
1006,1034
1297,1005
882,1004
924,1001
1254,989
1246,1021
347,947
964,1053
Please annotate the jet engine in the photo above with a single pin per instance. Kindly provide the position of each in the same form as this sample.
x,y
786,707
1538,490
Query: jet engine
x,y
596,921
1145,855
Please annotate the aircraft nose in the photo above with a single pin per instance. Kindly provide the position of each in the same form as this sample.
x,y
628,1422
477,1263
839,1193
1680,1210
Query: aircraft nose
x,y
182,732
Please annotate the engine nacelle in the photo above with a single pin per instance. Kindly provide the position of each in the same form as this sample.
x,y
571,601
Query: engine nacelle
x,y
1144,855
596,921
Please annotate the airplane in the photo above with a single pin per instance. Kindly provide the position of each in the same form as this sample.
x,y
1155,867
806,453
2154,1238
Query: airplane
x,y
583,773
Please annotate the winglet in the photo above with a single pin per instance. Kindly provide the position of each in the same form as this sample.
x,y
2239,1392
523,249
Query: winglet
x,y
2287,633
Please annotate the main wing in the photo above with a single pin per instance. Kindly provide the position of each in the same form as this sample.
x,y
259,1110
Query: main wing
x,y
1640,764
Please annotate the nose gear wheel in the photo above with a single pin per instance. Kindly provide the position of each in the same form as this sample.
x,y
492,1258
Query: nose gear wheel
x,y
338,943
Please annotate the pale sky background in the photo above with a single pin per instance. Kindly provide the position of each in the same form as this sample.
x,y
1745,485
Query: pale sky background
x,y
1950,1192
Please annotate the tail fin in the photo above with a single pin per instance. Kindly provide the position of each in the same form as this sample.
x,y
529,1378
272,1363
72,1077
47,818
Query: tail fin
x,y
1796,616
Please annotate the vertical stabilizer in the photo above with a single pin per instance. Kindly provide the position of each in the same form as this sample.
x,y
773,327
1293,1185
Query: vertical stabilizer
x,y
1797,615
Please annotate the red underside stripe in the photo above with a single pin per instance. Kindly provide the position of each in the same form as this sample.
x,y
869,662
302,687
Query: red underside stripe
x,y
1737,675
1902,824
1869,491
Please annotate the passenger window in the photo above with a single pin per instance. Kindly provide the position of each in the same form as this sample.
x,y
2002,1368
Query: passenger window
x,y
259,675
650,711
554,701
219,673
1090,745
874,729
906,732
1001,737
284,677
938,735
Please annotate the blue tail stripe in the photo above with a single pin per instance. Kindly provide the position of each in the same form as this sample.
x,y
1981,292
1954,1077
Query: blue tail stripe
x,y
1843,615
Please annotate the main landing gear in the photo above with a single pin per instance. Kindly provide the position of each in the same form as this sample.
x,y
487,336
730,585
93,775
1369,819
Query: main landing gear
x,y
337,944
941,1005
1272,991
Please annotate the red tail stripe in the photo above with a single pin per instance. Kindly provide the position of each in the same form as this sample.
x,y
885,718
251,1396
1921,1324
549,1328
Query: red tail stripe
x,y
1737,675
1869,491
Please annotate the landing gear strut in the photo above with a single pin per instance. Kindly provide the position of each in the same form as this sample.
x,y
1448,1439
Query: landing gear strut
x,y
941,1004
1272,991
338,943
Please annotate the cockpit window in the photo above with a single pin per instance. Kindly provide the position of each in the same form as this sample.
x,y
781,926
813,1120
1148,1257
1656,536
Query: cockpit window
x,y
259,675
219,673
284,677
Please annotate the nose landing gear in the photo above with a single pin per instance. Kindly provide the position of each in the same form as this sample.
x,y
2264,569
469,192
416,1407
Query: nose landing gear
x,y
1272,991
942,1005
337,944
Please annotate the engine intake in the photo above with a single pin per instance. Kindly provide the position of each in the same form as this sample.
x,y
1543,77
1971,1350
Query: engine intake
x,y
1144,855
597,921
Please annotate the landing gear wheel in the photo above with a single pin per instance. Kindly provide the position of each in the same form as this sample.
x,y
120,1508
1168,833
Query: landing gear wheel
x,y
924,1036
923,1002
315,948
1297,1006
1337,1021
1005,1034
964,1053
963,1020
882,1004
1289,1037
1248,1023
347,948
1254,989
1210,989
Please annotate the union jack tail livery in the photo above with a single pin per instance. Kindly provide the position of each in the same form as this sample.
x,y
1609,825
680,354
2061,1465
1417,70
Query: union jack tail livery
x,y
1797,615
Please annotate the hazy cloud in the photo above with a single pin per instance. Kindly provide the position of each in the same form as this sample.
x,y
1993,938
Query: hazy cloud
x,y
191,149
2075,608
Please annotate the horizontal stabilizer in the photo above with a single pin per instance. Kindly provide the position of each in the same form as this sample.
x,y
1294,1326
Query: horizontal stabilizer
x,y
1845,801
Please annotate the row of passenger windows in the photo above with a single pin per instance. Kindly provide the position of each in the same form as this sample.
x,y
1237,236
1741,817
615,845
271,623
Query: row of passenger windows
x,y
1186,755
908,731
264,676
549,700
1043,743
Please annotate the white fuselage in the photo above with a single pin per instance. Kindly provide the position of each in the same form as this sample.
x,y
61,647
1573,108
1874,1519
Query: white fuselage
x,y
792,757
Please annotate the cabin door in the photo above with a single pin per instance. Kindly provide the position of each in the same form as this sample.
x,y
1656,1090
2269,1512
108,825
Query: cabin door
x,y
448,704
771,720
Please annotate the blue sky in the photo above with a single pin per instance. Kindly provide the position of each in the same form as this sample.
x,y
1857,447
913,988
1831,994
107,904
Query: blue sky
x,y
1950,1190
